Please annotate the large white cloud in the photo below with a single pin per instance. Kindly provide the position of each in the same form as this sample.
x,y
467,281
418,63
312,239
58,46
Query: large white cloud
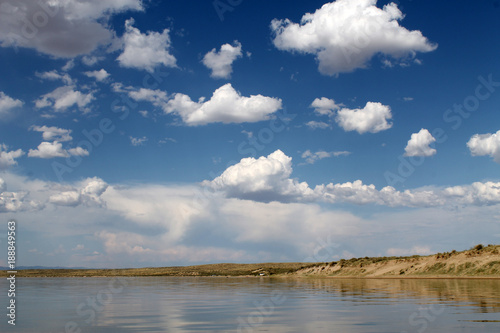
x,y
225,106
485,144
418,145
8,103
63,98
60,28
8,158
372,118
90,192
145,51
48,150
269,179
262,179
345,34
55,149
221,62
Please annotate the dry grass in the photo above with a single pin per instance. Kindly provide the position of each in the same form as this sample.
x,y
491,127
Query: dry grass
x,y
479,261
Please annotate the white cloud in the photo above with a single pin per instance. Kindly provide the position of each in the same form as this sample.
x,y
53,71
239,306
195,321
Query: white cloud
x,y
53,133
55,149
485,144
138,141
91,60
55,75
78,151
345,34
64,97
268,179
60,28
372,118
221,62
317,124
418,145
69,65
99,75
8,103
311,157
477,193
89,192
324,106
263,179
145,51
48,150
225,106
11,202
157,97
8,158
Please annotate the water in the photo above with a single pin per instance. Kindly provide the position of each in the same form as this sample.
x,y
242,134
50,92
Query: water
x,y
215,304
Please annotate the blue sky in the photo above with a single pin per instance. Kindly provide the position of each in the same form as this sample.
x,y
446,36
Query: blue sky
x,y
150,133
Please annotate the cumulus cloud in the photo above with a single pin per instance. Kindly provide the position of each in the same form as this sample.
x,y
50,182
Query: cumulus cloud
x,y
48,150
64,97
55,75
269,179
8,158
372,118
63,29
55,149
225,106
311,157
263,179
418,145
145,51
157,97
90,192
220,63
485,144
11,202
345,34
8,103
53,133
324,106
99,75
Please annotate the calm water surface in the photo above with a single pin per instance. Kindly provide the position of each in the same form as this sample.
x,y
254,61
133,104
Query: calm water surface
x,y
214,304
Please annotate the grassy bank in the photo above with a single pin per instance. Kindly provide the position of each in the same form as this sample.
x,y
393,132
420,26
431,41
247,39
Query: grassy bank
x,y
480,261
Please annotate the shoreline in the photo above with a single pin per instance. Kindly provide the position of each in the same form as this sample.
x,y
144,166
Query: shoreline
x,y
480,262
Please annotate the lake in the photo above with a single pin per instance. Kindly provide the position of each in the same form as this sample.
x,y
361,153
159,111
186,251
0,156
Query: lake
x,y
261,304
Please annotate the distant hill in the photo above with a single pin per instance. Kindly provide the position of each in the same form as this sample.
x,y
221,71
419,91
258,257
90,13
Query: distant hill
x,y
480,261
39,267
